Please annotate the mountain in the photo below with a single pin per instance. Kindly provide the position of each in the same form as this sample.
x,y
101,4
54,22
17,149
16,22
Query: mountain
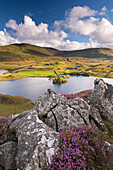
x,y
89,53
27,52
23,52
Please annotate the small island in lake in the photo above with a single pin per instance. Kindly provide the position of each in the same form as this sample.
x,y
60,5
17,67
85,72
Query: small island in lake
x,y
59,79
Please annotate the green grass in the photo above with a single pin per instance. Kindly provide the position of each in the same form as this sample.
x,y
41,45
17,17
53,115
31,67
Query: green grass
x,y
109,127
13,105
24,60
36,73
44,68
11,77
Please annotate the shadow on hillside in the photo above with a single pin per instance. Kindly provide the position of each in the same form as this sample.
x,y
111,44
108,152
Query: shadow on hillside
x,y
86,53
33,52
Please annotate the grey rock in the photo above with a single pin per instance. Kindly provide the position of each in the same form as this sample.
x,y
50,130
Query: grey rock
x,y
8,153
109,145
81,107
58,112
48,101
36,142
65,116
1,168
102,100
96,120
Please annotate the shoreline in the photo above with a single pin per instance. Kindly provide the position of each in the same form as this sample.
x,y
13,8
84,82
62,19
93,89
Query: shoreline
x,y
7,76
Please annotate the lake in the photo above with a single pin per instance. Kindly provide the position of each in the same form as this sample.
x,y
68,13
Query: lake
x,y
32,88
2,72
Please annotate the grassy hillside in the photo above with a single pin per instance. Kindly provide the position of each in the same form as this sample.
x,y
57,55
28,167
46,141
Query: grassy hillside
x,y
89,53
24,52
13,105
27,52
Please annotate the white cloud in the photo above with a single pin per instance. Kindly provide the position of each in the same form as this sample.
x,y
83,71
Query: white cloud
x,y
12,24
104,33
99,30
81,12
104,8
73,45
103,11
6,39
79,20
29,32
111,10
84,27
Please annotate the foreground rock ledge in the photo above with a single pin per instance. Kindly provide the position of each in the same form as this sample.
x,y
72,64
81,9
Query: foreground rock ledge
x,y
38,129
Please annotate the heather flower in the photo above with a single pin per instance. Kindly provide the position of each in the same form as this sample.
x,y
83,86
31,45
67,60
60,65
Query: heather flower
x,y
78,95
79,148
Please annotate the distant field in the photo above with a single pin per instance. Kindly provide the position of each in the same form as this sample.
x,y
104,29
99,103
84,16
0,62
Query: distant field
x,y
36,73
13,105
24,60
75,66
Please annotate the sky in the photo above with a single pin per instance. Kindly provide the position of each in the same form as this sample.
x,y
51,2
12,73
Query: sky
x,y
60,24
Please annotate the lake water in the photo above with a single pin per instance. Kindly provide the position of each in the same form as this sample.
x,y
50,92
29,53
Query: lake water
x,y
2,72
32,88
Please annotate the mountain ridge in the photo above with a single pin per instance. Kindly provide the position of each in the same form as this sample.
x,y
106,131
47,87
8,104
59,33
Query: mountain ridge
x,y
27,52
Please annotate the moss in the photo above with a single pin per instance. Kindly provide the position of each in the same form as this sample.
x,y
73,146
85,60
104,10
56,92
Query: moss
x,y
108,137
109,127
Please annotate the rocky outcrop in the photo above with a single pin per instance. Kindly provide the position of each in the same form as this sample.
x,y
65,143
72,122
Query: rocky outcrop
x,y
38,130
101,103
8,153
36,141
58,112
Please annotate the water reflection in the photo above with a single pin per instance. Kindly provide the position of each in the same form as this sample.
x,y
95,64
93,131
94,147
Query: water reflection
x,y
32,88
2,72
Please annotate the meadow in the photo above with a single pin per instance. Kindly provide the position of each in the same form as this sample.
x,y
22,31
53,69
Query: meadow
x,y
45,68
24,60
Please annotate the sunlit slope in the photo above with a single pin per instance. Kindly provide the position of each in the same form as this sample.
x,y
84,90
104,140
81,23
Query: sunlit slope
x,y
24,52
27,52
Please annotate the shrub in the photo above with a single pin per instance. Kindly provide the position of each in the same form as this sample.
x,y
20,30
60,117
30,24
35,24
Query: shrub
x,y
59,81
82,95
69,96
5,133
79,148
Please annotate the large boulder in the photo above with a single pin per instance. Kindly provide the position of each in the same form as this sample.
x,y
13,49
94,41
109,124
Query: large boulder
x,y
8,153
36,141
58,112
101,101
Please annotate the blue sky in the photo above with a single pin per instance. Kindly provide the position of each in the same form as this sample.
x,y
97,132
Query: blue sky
x,y
61,24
